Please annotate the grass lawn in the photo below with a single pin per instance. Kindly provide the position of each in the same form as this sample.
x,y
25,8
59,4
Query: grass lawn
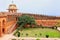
x,y
39,32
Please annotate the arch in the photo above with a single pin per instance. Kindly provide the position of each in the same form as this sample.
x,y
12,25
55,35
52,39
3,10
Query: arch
x,y
3,30
16,18
3,22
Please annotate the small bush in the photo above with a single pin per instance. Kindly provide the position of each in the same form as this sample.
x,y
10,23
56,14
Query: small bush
x,y
42,27
47,36
18,34
37,39
40,34
52,27
35,34
22,33
26,34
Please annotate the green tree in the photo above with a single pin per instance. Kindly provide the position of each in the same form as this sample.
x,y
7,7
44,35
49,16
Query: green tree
x,y
25,20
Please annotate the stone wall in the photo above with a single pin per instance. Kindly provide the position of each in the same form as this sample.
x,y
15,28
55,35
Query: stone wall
x,y
49,23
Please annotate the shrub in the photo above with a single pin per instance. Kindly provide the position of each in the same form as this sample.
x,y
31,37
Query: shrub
x,y
47,36
35,34
26,34
42,27
40,34
18,34
15,33
37,39
52,27
22,33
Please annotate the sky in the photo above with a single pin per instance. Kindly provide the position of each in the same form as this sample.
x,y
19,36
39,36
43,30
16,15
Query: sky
x,y
45,7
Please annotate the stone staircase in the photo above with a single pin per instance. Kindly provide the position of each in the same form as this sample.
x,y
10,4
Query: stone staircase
x,y
12,28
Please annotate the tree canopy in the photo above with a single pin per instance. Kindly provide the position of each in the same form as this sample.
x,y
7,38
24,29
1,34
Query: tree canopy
x,y
25,19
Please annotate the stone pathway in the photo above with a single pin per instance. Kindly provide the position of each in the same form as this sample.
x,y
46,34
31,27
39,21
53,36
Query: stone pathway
x,y
7,36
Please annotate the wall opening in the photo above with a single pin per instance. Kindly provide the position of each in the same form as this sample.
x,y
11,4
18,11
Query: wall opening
x,y
3,22
3,30
16,18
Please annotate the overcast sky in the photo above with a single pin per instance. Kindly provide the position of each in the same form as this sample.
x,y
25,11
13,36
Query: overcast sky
x,y
46,7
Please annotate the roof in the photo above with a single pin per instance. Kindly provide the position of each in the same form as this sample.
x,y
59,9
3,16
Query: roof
x,y
12,6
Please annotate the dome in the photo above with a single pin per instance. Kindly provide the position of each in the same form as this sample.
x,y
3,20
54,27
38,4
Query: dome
x,y
12,6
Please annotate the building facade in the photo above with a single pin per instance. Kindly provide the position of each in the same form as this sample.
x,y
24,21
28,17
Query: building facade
x,y
8,20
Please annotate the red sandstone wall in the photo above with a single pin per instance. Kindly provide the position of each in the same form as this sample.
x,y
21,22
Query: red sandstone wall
x,y
48,23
